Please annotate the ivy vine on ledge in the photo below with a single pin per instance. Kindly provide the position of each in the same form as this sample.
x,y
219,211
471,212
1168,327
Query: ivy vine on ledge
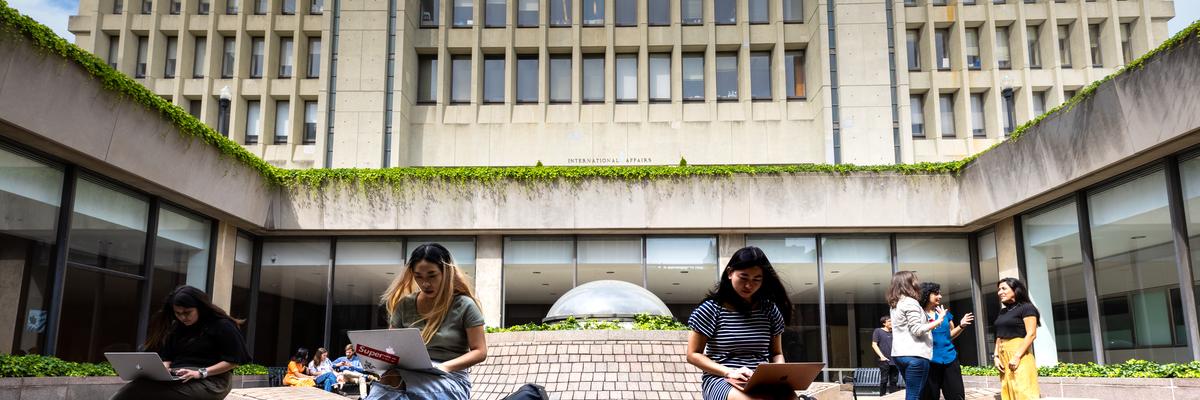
x,y
16,26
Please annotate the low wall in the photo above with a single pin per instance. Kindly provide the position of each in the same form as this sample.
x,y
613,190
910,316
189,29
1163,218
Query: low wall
x,y
85,388
1104,388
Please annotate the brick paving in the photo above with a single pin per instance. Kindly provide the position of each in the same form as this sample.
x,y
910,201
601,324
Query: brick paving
x,y
282,393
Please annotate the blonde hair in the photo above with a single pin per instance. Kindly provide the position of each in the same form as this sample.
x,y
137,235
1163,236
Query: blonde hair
x,y
452,278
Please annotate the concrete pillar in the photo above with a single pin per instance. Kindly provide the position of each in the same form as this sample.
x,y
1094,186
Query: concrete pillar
x,y
726,246
226,249
489,283
1006,249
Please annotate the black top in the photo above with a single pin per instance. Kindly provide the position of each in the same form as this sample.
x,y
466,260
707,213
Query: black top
x,y
204,344
1010,322
884,340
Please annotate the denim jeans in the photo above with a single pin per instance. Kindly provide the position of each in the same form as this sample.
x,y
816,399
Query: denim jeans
x,y
327,380
915,371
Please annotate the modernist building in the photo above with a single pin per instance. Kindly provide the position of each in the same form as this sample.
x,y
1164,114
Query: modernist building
x,y
106,206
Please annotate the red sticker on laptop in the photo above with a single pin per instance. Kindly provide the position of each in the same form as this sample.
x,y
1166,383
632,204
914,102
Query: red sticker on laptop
x,y
376,354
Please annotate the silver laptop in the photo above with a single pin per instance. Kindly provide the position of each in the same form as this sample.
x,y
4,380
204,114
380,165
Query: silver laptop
x,y
382,349
131,366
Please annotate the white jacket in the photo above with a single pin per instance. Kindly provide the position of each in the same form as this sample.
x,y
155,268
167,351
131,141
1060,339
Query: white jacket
x,y
910,336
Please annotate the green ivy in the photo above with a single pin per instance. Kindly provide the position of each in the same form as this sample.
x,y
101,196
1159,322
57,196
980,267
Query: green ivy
x,y
20,26
250,369
1128,369
641,322
34,365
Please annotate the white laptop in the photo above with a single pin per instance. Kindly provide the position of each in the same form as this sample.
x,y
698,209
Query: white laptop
x,y
131,366
380,350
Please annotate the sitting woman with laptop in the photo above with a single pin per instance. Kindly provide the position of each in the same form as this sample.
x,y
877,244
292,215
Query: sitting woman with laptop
x,y
739,326
199,342
432,294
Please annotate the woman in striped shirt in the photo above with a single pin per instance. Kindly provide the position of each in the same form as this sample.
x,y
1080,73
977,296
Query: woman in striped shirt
x,y
738,326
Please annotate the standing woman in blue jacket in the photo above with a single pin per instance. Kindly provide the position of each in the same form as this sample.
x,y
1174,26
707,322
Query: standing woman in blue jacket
x,y
912,341
945,373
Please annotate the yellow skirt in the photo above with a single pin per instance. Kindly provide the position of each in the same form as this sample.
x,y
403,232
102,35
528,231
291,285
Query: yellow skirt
x,y
1020,384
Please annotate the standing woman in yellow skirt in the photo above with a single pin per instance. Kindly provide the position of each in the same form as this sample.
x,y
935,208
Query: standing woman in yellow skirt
x,y
1016,327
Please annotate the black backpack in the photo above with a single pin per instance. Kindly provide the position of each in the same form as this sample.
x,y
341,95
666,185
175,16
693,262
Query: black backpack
x,y
530,391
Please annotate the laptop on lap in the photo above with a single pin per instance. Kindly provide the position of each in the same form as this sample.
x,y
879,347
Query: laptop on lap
x,y
131,366
796,375
380,350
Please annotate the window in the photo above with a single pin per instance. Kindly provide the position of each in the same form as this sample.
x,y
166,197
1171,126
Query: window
x,y
464,11
527,13
910,3
560,78
625,13
257,46
758,12
261,6
912,38
285,57
430,10
793,62
1035,51
560,12
593,78
281,121
658,12
1064,45
547,263
194,108
142,44
118,6
367,271
939,2
310,122
314,57
947,261
231,7
199,63
316,7
977,124
291,314
495,13
793,10
726,11
460,79
693,76
1039,103
1003,57
727,76
175,7
593,12
1068,94
1094,36
493,79
946,110
1126,47
527,78
228,60
941,41
288,7
147,6
691,12
918,115
181,252
760,75
202,7
626,80
172,56
253,114
973,60
427,78
1010,116
114,49
660,77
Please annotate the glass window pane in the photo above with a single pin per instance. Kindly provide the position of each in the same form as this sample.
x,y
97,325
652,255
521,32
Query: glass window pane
x,y
364,268
626,81
660,76
593,12
181,252
427,78
989,278
692,12
172,55
495,13
142,48
1189,171
243,265
462,250
527,79
314,57
941,41
430,10
977,122
104,306
693,76
560,78
973,59
536,272
291,298
108,227
760,75
795,261
593,77
1035,51
285,57
257,46
227,60
1054,273
917,105
626,12
658,12
464,12
560,12
310,122
198,61
493,79
610,257
680,269
460,75
527,13
1003,57
1094,42
1064,45
253,125
946,110
793,61
281,121
858,271
944,261
727,76
913,41
793,11
726,11
758,11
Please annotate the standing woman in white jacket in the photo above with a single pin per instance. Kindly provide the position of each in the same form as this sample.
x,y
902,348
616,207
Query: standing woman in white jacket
x,y
912,342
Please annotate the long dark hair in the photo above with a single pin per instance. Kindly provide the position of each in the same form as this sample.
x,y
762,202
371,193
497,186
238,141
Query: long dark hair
x,y
771,290
904,283
1020,295
301,355
164,322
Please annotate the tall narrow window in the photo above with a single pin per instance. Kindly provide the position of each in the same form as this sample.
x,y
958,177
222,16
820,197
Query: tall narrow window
x,y
560,78
176,6
727,76
281,121
625,13
288,7
946,109
286,45
172,56
917,115
793,62
114,48
261,6
314,57
427,78
1064,45
316,7
939,2
199,61
495,13
203,6
691,12
527,13
464,12
147,6
310,122
253,115
658,12
693,76
912,38
725,11
626,79
1094,35
941,41
660,76
560,12
493,79
1003,57
142,44
978,128
910,3
231,7
430,10
1035,48
230,48
793,11
593,12
1010,107
527,78
1039,103
973,60
257,47
593,78
194,108
118,6
760,75
758,12
460,79
1126,47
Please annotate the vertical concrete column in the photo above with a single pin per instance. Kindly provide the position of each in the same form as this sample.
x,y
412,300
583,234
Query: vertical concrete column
x,y
1006,249
727,244
225,250
489,283
865,107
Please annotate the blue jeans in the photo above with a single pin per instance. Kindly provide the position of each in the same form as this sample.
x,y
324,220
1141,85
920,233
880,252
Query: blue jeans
x,y
327,380
915,371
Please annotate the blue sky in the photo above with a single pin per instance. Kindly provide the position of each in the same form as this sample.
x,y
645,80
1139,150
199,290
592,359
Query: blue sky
x,y
54,13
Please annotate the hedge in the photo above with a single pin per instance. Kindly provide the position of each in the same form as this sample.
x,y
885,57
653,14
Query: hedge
x,y
37,365
641,322
1128,369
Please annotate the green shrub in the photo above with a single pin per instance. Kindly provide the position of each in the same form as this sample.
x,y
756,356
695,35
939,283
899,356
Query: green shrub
x,y
647,322
36,365
641,322
1128,369
250,369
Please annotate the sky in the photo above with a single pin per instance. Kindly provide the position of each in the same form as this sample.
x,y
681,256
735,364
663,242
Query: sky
x,y
54,13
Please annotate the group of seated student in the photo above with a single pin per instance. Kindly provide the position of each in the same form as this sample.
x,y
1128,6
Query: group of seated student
x,y
321,372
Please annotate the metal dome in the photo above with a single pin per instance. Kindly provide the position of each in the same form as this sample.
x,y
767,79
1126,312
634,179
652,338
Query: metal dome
x,y
606,299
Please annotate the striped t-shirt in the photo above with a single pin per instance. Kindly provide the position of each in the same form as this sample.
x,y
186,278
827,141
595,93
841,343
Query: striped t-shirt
x,y
735,339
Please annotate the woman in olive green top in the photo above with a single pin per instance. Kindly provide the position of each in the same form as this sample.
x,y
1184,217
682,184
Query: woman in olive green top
x,y
433,295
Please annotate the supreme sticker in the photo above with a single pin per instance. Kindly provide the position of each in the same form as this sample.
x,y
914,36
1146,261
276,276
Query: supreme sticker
x,y
376,354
